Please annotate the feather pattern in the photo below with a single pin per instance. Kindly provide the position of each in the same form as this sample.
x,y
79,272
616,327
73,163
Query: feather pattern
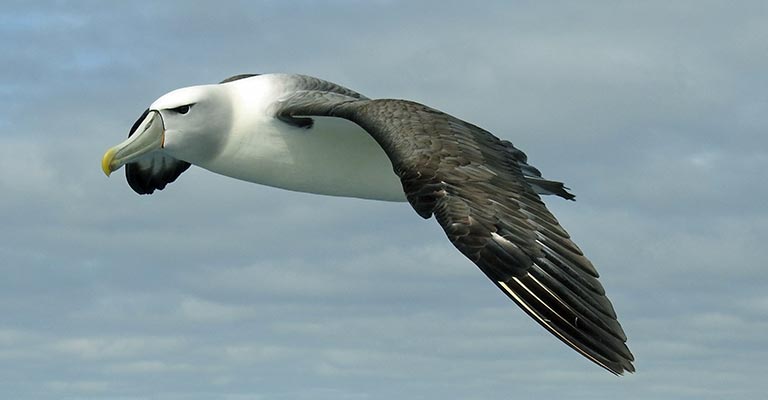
x,y
483,193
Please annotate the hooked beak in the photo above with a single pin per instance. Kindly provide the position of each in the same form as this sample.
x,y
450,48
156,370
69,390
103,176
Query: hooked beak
x,y
148,136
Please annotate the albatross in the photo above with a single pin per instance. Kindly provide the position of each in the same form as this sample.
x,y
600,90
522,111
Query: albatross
x,y
306,134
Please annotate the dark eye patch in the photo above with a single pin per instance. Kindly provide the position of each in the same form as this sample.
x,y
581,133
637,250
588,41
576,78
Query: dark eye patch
x,y
138,122
182,109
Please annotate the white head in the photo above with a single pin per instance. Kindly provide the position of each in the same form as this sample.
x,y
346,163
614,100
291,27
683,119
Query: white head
x,y
188,124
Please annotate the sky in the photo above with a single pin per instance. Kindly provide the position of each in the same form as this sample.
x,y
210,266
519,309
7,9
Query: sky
x,y
653,113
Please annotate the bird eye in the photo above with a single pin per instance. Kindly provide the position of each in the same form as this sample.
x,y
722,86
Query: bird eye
x,y
182,109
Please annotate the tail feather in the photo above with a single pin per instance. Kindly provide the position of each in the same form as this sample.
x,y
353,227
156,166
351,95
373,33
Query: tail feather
x,y
543,186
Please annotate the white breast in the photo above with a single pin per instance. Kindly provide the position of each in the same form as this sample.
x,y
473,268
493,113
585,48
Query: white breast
x,y
335,157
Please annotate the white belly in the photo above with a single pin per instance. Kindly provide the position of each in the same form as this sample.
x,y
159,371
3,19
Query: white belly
x,y
335,157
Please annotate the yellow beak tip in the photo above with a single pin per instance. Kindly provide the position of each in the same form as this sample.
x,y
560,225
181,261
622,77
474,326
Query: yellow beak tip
x,y
106,161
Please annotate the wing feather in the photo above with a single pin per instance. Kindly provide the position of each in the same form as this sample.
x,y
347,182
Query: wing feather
x,y
482,191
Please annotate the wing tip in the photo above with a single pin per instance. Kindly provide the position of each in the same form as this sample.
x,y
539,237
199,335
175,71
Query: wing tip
x,y
615,362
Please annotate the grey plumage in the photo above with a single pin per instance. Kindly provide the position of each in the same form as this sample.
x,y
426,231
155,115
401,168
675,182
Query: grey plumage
x,y
238,77
480,190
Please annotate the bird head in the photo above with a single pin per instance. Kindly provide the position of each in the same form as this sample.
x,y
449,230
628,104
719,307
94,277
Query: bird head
x,y
185,124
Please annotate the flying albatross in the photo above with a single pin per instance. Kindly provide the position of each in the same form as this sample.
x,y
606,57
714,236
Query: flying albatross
x,y
305,134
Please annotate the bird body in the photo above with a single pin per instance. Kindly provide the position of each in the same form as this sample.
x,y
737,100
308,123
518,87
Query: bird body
x,y
335,158
332,157
305,134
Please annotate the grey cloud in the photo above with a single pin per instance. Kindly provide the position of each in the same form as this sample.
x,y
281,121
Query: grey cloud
x,y
652,112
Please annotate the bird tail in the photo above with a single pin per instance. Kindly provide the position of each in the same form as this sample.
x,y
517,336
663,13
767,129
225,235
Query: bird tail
x,y
543,186
533,176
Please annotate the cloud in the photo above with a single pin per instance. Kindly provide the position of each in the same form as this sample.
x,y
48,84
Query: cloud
x,y
115,347
213,288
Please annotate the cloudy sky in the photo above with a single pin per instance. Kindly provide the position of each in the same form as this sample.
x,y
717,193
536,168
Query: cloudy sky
x,y
654,113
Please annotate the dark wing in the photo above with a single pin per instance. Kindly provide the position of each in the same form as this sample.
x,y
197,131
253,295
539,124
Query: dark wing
x,y
475,186
306,83
154,170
